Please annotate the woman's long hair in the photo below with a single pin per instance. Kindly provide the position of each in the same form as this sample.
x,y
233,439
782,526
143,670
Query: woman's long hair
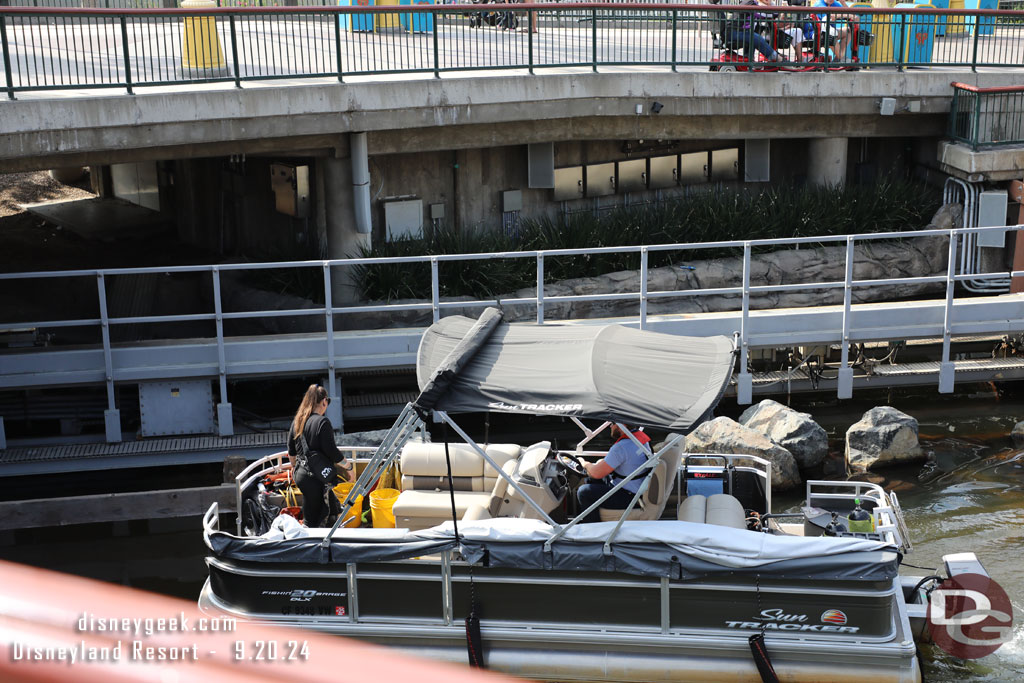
x,y
314,394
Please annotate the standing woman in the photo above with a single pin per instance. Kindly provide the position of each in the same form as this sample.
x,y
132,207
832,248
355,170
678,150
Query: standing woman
x,y
313,453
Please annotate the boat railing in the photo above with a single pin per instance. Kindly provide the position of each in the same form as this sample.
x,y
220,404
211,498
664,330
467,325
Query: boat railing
x,y
750,463
273,464
888,515
211,523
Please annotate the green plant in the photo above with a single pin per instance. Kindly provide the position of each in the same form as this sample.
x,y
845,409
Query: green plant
x,y
774,212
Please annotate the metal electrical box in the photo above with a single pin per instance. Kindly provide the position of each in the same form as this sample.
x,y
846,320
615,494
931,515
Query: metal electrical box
x,y
600,180
664,172
171,408
404,219
633,175
512,200
568,183
541,164
291,189
757,161
992,211
693,168
725,164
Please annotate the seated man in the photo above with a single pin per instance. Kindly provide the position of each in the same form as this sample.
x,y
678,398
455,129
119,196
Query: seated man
x,y
623,457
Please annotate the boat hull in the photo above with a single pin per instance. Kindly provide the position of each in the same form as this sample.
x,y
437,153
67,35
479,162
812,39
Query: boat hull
x,y
560,626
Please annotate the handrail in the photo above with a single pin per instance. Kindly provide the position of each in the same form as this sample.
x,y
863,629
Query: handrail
x,y
997,89
146,45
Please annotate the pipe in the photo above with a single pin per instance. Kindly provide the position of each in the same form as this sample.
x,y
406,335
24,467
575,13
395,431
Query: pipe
x,y
360,182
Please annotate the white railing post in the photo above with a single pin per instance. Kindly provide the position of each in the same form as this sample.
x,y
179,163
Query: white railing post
x,y
845,383
225,418
745,381
947,370
540,288
643,288
111,416
435,290
334,413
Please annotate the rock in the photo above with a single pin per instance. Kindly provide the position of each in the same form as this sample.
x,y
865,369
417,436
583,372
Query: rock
x,y
726,436
794,431
1017,434
884,436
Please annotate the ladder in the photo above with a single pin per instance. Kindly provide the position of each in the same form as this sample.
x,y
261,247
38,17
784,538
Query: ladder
x,y
401,432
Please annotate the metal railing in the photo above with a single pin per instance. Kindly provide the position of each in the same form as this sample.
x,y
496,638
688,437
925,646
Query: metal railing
x,y
61,49
987,117
104,322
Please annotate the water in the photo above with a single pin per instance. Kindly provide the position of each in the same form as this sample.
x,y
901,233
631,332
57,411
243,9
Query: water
x,y
968,497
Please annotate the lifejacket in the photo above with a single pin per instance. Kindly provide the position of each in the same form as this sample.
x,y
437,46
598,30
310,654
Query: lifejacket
x,y
640,436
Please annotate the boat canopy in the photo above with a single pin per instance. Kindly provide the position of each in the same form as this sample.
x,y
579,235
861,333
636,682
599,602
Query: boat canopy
x,y
607,372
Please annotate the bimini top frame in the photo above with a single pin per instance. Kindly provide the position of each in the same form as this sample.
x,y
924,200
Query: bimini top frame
x,y
613,373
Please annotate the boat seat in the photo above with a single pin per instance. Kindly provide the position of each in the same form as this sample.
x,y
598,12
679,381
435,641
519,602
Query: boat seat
x,y
721,509
425,500
652,504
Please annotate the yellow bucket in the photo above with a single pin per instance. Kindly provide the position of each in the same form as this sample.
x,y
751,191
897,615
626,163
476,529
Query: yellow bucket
x,y
355,513
381,503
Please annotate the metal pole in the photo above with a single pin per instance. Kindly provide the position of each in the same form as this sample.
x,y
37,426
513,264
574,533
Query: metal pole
x,y
234,50
903,40
337,43
437,61
977,122
435,290
643,288
225,419
332,388
7,57
745,381
111,416
675,16
540,288
127,61
593,37
947,369
531,18
845,384
974,54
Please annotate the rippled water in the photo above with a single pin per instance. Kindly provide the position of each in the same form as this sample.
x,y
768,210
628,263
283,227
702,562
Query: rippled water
x,y
968,497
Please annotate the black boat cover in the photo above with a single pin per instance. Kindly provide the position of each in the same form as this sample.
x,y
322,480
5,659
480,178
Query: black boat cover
x,y
606,372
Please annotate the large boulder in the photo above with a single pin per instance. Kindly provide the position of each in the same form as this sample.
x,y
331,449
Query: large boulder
x,y
793,430
726,436
1017,434
884,436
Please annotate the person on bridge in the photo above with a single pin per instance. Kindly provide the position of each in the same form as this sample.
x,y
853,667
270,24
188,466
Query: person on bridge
x,y
623,457
742,30
313,454
840,27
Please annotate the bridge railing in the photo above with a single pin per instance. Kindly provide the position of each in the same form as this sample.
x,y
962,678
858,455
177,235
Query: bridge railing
x,y
57,48
987,117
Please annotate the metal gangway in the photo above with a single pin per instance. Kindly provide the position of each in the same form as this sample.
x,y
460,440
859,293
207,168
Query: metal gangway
x,y
952,312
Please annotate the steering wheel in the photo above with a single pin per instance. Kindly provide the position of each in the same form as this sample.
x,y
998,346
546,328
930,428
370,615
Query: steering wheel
x,y
572,463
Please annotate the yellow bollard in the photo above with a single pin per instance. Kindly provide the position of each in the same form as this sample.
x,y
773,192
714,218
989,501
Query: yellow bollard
x,y
201,48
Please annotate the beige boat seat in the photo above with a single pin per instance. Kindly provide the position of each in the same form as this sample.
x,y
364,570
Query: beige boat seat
x,y
425,500
652,503
721,509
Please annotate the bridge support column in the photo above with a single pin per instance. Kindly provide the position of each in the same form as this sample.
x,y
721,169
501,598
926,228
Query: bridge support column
x,y
225,420
826,161
3,434
340,224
